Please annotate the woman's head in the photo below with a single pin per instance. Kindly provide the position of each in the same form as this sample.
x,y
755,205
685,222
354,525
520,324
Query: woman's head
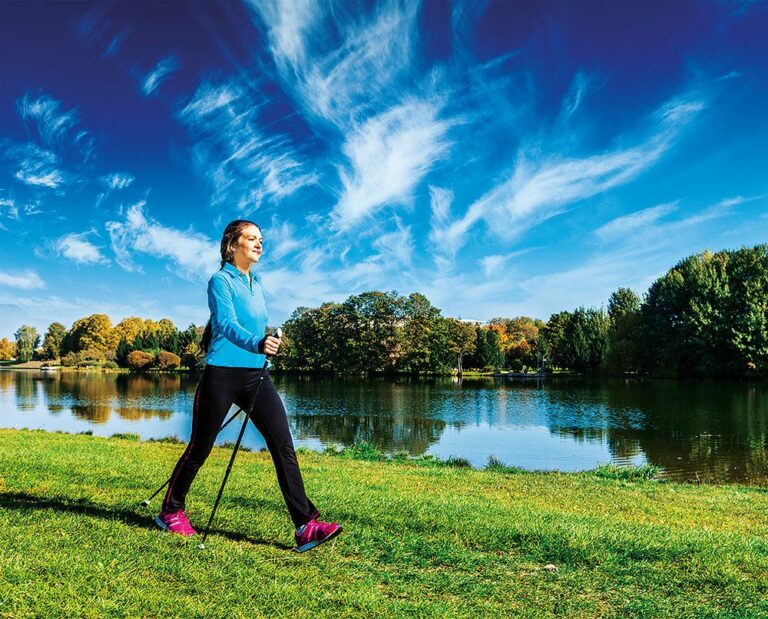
x,y
241,242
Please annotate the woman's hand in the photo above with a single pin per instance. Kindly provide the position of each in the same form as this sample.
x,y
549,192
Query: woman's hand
x,y
271,344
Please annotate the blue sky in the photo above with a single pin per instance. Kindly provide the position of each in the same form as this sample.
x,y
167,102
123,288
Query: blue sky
x,y
503,158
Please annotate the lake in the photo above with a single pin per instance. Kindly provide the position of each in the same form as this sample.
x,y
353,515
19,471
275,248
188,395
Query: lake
x,y
710,431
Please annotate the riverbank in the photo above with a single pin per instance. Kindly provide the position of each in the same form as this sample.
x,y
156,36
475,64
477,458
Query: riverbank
x,y
420,539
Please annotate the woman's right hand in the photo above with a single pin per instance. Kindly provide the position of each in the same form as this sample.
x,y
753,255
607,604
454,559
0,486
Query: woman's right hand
x,y
271,344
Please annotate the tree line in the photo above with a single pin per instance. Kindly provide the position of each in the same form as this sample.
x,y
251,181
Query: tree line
x,y
707,316
94,342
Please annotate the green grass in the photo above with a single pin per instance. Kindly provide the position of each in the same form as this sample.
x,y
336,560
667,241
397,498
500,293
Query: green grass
x,y
422,539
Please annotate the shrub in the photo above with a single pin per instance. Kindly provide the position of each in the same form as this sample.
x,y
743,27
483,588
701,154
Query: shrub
x,y
70,360
166,360
110,365
138,360
126,436
638,472
173,440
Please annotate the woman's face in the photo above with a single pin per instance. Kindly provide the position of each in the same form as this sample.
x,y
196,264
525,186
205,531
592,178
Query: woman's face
x,y
248,249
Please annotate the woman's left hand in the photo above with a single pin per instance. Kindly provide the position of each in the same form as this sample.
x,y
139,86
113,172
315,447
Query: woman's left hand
x,y
271,344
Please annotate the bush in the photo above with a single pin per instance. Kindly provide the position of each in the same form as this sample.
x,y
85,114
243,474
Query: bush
x,y
167,360
110,365
70,360
138,360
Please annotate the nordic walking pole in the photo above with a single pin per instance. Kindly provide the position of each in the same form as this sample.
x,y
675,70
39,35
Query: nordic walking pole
x,y
168,481
278,334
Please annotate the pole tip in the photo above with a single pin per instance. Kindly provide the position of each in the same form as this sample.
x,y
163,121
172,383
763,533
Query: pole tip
x,y
145,502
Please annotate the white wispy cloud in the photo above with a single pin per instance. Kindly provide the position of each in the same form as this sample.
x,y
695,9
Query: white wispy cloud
x,y
344,64
575,97
159,74
37,166
389,155
30,174
353,80
78,248
280,240
495,264
117,180
23,280
542,187
627,224
289,25
55,128
194,255
242,163
8,208
440,200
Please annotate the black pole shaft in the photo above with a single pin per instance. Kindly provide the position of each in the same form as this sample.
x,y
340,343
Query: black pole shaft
x,y
234,453
168,481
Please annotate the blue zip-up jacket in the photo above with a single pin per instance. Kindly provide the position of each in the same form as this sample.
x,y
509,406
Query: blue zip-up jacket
x,y
238,319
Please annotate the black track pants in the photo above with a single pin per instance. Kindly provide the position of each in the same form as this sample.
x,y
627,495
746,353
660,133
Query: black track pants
x,y
218,389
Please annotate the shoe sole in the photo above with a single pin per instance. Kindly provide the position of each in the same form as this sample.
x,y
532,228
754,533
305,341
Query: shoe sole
x,y
165,528
317,542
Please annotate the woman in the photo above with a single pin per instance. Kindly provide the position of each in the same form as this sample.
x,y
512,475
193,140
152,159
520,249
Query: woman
x,y
236,345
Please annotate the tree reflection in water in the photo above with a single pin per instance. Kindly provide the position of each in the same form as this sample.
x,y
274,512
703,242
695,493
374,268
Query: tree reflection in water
x,y
711,431
692,429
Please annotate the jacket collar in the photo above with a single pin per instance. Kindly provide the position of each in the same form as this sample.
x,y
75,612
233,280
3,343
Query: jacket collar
x,y
233,271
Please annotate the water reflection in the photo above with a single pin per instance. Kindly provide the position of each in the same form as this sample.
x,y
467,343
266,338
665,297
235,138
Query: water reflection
x,y
710,431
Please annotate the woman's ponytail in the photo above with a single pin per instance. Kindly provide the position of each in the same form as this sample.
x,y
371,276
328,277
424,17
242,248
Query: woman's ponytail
x,y
205,341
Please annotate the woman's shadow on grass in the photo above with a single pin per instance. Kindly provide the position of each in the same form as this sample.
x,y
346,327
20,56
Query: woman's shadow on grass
x,y
23,501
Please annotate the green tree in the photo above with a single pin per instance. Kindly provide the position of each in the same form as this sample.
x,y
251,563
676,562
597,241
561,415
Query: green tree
x,y
422,341
27,340
488,352
370,323
586,339
558,350
53,339
707,316
462,340
625,337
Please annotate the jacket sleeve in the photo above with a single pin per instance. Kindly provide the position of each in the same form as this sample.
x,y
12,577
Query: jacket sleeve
x,y
223,312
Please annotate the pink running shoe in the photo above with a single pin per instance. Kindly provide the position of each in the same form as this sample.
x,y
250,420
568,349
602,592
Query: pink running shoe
x,y
315,533
175,522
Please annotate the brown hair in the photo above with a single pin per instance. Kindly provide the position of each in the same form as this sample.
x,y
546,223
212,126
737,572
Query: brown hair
x,y
229,240
231,236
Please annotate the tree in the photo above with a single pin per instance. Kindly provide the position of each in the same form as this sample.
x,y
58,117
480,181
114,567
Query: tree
x,y
555,334
421,340
53,339
487,352
622,302
7,349
586,339
624,335
27,340
369,322
92,332
462,339
708,316
128,329
522,341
